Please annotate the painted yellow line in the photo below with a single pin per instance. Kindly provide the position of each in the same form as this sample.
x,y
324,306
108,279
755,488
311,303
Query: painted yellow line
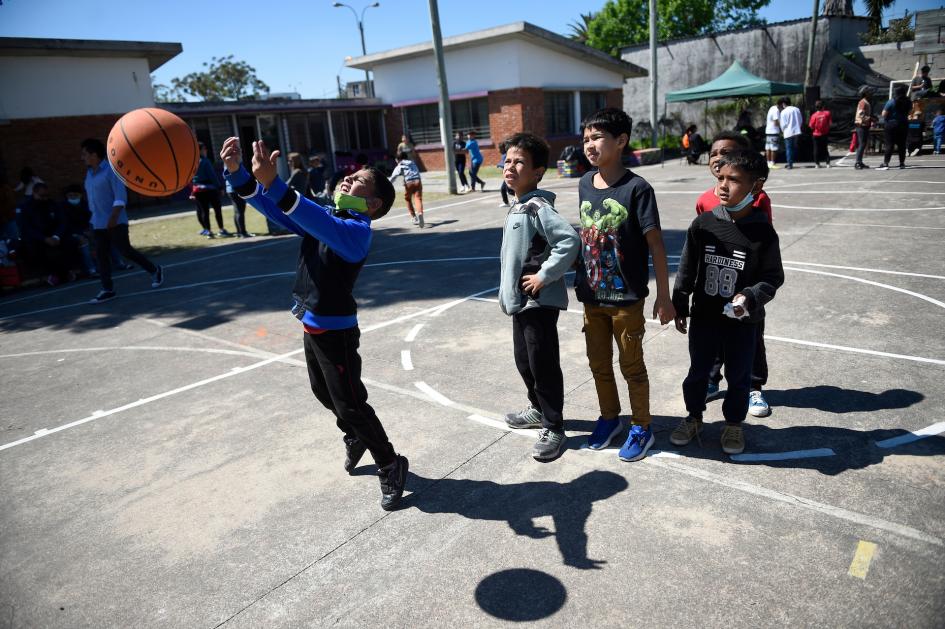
x,y
861,559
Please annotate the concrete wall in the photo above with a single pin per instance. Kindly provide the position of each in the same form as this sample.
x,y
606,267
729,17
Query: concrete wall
x,y
897,61
47,87
777,52
501,65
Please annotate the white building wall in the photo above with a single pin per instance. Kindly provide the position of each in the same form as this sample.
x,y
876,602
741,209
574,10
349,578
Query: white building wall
x,y
493,66
47,87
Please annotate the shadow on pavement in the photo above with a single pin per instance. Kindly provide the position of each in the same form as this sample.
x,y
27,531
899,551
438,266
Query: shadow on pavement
x,y
521,594
518,504
831,399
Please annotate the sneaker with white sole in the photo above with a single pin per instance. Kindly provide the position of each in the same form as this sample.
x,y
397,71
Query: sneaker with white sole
x,y
420,221
529,417
687,429
638,442
757,406
604,432
549,446
103,296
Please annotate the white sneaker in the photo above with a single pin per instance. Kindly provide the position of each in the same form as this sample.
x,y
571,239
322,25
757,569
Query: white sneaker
x,y
757,406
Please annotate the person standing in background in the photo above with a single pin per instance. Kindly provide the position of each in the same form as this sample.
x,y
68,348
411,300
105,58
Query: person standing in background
x,y
862,121
459,160
820,122
791,121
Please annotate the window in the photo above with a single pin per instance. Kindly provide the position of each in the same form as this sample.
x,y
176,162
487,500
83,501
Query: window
x,y
308,133
422,122
559,113
592,102
357,130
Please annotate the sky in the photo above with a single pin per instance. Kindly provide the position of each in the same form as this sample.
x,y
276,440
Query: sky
x,y
300,45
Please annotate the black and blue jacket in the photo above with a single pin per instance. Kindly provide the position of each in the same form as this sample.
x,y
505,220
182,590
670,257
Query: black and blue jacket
x,y
335,244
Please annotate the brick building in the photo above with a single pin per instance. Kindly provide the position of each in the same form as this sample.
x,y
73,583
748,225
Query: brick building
x,y
58,92
502,80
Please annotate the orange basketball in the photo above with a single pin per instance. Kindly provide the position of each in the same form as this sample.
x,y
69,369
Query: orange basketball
x,y
153,151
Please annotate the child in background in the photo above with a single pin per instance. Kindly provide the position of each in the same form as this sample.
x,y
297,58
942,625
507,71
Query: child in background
x,y
459,160
938,130
504,190
724,143
538,248
413,187
820,122
475,161
731,266
620,228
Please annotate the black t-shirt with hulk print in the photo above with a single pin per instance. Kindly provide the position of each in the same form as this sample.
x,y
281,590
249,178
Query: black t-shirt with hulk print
x,y
613,267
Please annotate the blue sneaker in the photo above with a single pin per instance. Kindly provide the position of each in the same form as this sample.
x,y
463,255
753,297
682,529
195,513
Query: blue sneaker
x,y
712,391
604,431
757,406
638,442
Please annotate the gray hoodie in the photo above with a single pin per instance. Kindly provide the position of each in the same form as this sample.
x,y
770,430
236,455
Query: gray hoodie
x,y
536,239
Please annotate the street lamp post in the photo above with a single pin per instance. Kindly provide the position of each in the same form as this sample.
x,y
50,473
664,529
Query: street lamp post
x,y
360,20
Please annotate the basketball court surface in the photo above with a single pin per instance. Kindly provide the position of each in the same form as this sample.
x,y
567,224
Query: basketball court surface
x,y
163,462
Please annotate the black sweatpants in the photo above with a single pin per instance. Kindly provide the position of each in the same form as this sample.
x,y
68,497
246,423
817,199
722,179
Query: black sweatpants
x,y
736,341
821,149
334,371
535,342
205,199
460,163
117,236
759,365
896,135
239,212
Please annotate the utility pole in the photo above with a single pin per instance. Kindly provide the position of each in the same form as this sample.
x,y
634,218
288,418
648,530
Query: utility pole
x,y
808,78
653,75
446,117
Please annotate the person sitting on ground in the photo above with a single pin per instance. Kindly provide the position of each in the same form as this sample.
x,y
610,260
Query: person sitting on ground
x,y
43,240
78,226
413,187
730,267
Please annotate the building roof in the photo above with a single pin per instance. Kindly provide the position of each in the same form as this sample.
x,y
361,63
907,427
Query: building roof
x,y
157,53
515,30
275,106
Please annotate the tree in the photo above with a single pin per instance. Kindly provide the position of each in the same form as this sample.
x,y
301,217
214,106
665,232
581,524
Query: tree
x,y
224,79
579,27
874,11
838,7
622,23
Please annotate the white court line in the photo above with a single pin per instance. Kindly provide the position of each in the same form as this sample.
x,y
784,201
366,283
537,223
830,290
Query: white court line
x,y
804,503
783,456
433,394
833,224
793,192
414,331
871,283
100,414
768,337
857,209
147,348
857,268
405,360
861,184
494,423
928,431
856,350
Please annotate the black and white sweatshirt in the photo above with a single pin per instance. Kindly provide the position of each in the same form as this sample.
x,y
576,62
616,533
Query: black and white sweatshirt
x,y
722,258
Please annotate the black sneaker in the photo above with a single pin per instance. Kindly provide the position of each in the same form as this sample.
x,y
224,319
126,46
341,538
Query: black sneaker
x,y
103,296
549,446
393,479
529,417
354,450
158,278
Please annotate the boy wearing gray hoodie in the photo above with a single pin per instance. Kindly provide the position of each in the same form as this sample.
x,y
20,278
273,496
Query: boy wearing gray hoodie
x,y
538,248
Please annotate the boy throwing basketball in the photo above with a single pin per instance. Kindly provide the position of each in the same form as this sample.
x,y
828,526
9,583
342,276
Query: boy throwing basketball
x,y
335,244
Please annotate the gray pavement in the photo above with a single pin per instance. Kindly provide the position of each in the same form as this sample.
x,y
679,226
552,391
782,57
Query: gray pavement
x,y
163,461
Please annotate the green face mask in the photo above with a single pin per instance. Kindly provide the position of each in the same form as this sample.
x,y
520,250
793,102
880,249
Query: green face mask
x,y
348,202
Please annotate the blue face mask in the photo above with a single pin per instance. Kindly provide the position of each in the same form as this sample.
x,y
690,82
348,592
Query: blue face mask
x,y
735,209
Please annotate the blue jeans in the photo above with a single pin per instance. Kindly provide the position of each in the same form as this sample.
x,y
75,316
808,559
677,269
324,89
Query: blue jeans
x,y
790,144
474,174
938,144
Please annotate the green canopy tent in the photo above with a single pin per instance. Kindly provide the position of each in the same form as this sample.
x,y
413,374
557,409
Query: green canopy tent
x,y
734,82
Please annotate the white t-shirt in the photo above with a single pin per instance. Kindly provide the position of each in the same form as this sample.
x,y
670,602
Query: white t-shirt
x,y
773,120
791,121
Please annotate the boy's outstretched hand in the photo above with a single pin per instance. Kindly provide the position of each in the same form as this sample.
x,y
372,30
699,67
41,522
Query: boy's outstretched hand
x,y
231,154
264,164
681,324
